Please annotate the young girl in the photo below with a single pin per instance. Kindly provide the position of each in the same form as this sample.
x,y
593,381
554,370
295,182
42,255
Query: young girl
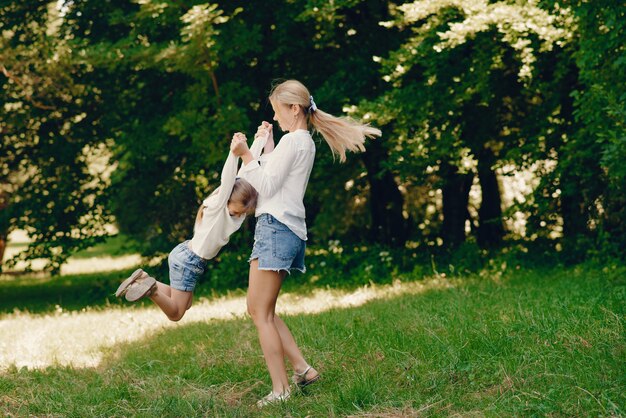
x,y
279,241
221,214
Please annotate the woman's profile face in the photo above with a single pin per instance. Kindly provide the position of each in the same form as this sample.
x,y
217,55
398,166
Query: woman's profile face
x,y
283,115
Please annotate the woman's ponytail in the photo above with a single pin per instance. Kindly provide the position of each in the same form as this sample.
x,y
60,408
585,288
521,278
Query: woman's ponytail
x,y
341,133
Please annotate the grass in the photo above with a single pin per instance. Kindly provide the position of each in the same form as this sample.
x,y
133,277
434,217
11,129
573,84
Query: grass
x,y
39,294
115,245
522,343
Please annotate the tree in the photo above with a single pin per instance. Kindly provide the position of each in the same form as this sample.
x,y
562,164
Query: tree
x,y
469,68
600,108
169,108
347,35
50,186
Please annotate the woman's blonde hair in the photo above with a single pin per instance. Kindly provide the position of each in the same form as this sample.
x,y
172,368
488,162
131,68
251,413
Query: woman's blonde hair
x,y
341,133
243,192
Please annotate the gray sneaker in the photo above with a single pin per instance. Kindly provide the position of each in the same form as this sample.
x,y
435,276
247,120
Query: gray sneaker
x,y
140,288
137,274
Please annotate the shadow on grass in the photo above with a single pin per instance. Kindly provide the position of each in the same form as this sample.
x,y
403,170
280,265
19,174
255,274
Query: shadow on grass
x,y
72,292
41,294
347,270
38,294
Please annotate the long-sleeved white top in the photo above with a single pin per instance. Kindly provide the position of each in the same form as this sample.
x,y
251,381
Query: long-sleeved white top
x,y
281,178
216,226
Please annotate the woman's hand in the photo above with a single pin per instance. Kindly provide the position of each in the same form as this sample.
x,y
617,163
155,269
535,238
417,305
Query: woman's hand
x,y
266,129
238,145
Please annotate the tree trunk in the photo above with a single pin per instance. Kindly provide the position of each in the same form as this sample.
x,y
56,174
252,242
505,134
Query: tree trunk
x,y
4,201
388,225
3,246
490,228
455,193
573,205
482,124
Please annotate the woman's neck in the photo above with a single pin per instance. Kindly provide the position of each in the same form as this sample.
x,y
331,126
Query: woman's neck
x,y
301,124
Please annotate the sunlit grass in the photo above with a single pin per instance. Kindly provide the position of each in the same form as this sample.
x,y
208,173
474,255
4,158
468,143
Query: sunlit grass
x,y
31,340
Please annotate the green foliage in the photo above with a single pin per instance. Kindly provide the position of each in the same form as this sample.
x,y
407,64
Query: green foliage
x,y
463,96
170,112
601,111
122,112
51,180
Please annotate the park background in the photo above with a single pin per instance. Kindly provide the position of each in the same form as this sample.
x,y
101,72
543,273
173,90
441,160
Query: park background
x,y
473,256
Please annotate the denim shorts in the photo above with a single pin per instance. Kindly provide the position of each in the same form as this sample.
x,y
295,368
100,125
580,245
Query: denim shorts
x,y
185,267
276,246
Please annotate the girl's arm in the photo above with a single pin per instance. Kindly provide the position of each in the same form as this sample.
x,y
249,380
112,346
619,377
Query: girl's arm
x,y
262,141
220,198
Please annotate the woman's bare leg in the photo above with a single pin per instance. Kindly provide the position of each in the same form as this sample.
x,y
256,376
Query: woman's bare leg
x,y
174,303
291,349
263,289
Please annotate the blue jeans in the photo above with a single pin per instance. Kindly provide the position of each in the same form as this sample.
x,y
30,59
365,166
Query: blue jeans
x,y
276,246
185,267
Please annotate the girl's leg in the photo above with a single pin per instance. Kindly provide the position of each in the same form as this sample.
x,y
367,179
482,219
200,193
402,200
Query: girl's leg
x,y
263,289
174,303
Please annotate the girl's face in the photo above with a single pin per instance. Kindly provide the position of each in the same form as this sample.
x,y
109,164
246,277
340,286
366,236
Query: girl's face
x,y
236,209
284,115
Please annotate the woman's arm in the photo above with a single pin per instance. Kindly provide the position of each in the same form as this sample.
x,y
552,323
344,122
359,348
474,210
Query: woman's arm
x,y
269,178
266,128
261,142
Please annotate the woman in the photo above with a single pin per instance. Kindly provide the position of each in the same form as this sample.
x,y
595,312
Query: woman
x,y
281,178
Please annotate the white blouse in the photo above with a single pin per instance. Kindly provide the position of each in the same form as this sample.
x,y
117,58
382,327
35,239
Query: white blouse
x,y
216,226
281,178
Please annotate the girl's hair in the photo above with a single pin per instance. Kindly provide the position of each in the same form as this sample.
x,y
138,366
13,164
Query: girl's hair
x,y
243,192
341,133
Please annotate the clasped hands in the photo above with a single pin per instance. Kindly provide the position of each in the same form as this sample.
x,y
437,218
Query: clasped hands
x,y
239,144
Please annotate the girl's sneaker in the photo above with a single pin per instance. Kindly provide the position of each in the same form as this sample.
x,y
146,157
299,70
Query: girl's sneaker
x,y
141,288
138,277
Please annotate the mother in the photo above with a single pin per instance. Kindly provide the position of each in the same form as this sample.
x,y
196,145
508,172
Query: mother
x,y
281,178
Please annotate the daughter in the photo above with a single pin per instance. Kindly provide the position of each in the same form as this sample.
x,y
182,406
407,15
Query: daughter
x,y
221,214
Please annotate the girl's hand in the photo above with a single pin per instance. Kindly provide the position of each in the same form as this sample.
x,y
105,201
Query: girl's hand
x,y
238,145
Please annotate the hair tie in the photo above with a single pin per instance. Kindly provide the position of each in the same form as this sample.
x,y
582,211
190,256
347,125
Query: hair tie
x,y
313,106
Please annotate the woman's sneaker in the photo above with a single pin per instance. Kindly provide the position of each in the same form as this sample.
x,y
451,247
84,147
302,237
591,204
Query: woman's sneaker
x,y
273,398
305,378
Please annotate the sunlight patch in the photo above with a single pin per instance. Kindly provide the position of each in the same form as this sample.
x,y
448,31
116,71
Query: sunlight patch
x,y
79,339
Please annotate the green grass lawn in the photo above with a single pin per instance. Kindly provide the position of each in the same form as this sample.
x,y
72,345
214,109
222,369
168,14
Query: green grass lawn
x,y
526,343
38,294
113,246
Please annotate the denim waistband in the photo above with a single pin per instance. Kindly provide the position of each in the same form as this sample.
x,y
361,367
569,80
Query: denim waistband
x,y
267,217
187,249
